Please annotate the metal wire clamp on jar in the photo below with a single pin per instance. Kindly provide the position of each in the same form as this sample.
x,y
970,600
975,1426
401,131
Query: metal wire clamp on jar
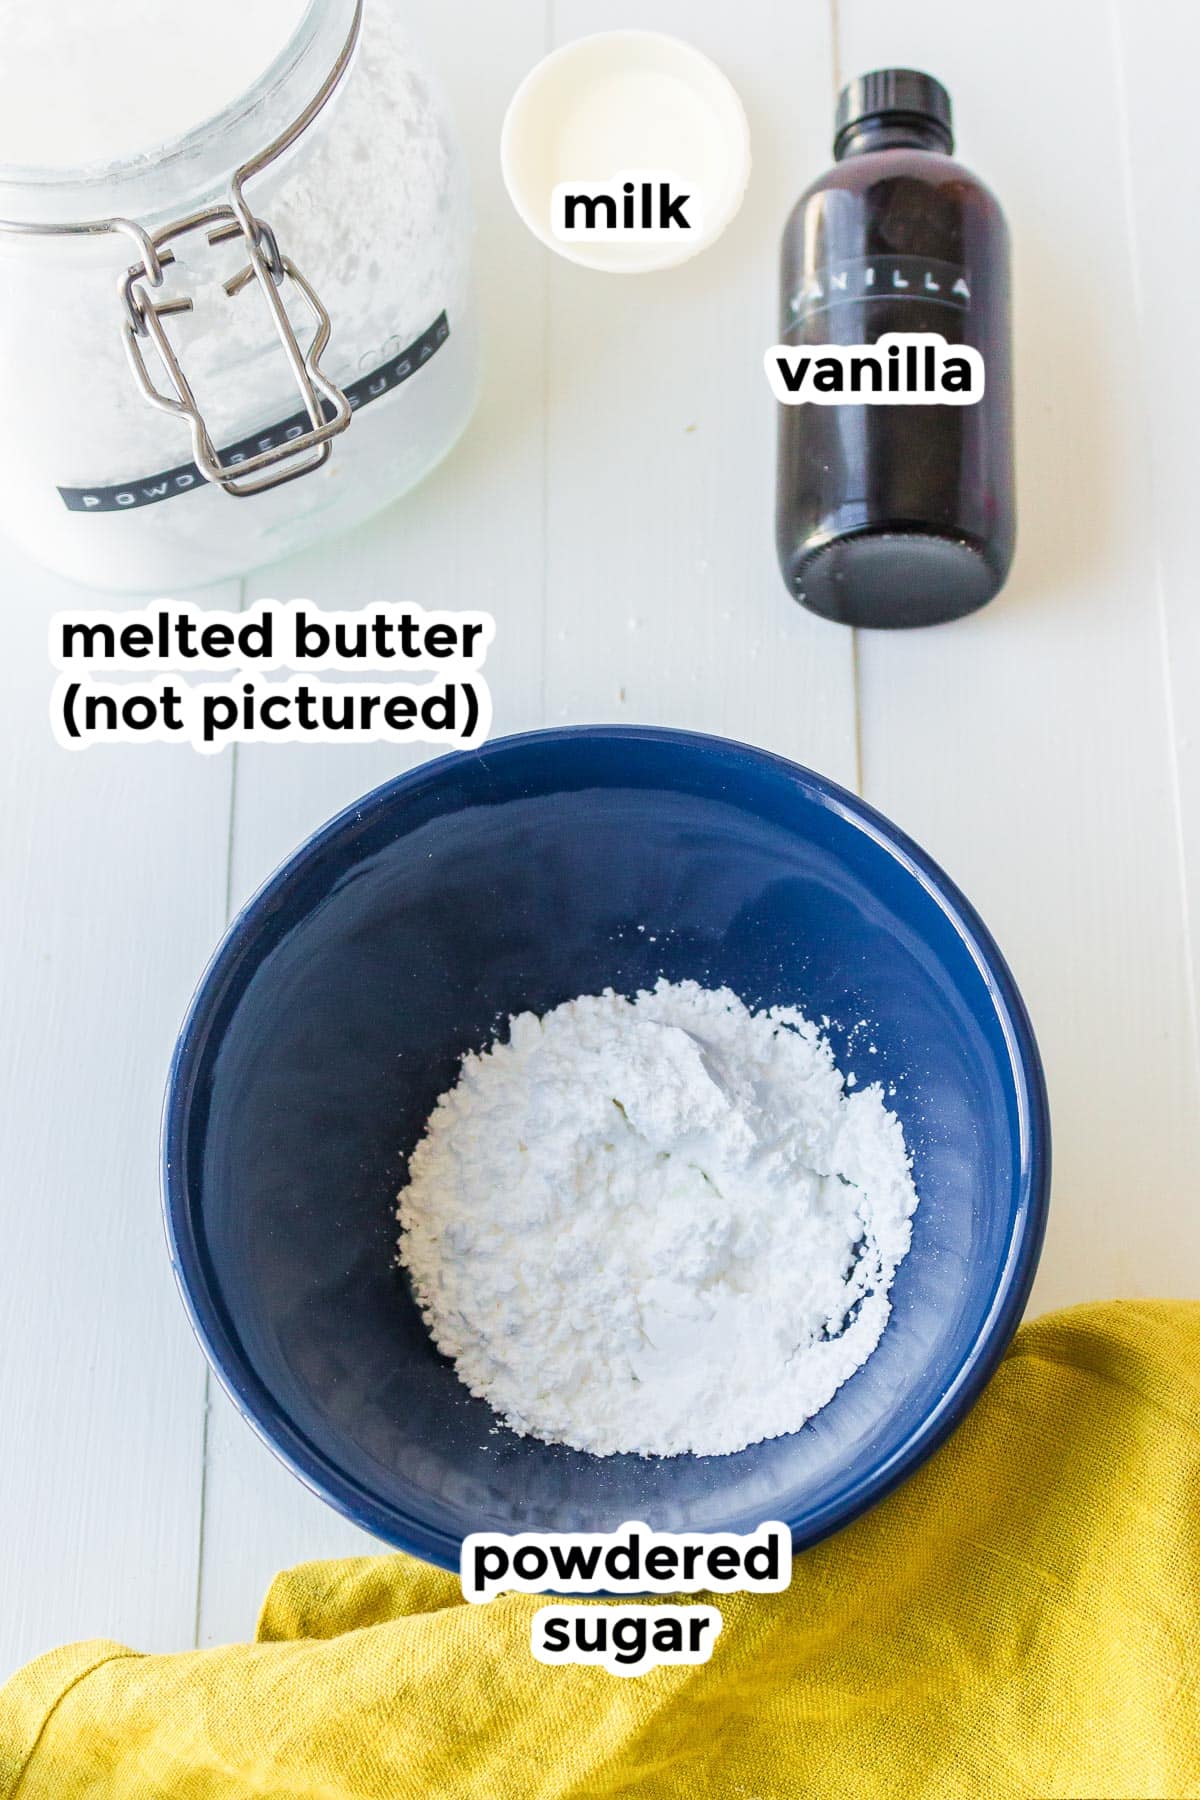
x,y
269,268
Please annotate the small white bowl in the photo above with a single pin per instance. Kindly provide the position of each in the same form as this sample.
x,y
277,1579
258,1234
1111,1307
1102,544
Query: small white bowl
x,y
606,105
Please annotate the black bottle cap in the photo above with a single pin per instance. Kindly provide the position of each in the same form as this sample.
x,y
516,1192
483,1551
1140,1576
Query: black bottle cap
x,y
894,96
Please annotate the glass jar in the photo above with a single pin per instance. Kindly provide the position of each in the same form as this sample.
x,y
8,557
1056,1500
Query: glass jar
x,y
364,216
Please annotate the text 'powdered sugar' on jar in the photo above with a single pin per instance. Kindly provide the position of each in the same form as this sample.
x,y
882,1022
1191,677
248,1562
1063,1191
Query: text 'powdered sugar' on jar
x,y
235,310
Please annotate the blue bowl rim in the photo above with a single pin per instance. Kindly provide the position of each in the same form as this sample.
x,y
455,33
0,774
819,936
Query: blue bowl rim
x,y
317,1471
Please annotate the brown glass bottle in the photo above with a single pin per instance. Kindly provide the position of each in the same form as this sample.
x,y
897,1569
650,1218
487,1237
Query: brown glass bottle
x,y
894,515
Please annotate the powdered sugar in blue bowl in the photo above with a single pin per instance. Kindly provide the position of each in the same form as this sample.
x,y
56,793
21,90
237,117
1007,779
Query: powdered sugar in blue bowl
x,y
512,880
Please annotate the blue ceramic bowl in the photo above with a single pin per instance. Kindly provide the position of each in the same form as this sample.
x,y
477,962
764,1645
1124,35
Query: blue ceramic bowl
x,y
339,1005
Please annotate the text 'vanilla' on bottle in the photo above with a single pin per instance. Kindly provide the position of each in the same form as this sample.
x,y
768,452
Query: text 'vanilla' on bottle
x,y
894,515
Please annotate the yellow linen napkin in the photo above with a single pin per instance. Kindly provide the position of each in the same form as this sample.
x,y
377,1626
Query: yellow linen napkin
x,y
1021,1619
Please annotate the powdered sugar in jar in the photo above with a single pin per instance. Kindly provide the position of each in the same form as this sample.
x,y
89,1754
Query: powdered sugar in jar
x,y
174,413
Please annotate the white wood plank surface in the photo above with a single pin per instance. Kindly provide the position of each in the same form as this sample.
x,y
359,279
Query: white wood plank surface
x,y
611,505
100,1389
665,601
1028,747
1162,222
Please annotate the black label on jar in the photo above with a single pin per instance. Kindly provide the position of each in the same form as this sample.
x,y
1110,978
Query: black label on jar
x,y
882,278
148,490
